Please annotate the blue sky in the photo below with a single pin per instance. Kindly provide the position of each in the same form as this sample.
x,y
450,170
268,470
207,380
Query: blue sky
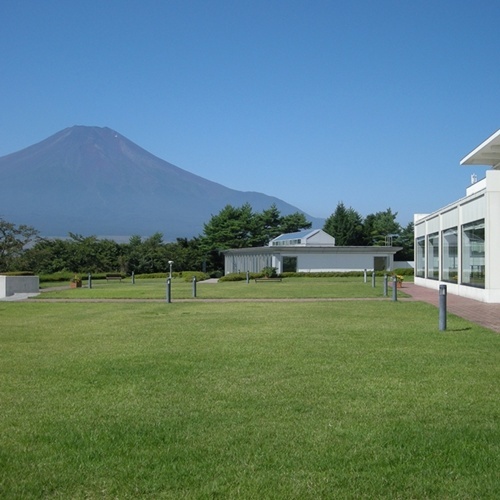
x,y
372,103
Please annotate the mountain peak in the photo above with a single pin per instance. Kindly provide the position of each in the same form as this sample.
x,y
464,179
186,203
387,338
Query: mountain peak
x,y
93,180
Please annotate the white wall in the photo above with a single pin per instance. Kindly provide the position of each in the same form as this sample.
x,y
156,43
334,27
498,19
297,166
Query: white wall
x,y
9,285
324,263
321,238
334,262
483,201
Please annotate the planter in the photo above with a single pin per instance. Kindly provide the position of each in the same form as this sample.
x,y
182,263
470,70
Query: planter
x,y
75,284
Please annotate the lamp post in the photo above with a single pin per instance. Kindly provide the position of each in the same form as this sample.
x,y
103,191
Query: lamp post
x,y
170,262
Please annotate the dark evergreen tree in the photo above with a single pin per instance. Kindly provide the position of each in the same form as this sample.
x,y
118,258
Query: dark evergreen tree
x,y
294,222
345,225
381,228
235,227
406,240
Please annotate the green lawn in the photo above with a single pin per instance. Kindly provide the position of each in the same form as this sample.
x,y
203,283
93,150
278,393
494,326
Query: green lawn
x,y
343,399
180,289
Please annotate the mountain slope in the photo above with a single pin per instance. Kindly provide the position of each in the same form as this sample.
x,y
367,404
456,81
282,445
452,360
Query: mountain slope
x,y
92,180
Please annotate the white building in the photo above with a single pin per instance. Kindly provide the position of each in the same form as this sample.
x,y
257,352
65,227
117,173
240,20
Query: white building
x,y
459,245
309,251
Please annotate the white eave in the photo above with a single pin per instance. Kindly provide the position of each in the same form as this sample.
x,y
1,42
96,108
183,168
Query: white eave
x,y
487,153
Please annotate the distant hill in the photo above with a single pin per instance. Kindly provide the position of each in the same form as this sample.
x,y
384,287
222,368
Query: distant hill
x,y
94,181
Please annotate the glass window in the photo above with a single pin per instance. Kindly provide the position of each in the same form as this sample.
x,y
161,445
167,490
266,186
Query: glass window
x,y
433,256
420,259
450,255
289,264
473,264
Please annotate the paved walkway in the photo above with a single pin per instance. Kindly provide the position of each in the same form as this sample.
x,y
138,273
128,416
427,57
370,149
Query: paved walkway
x,y
487,315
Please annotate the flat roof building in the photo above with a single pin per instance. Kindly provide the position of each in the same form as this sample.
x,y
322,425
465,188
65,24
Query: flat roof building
x,y
309,251
459,244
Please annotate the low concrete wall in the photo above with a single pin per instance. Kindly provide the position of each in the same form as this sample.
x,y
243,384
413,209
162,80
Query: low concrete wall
x,y
9,285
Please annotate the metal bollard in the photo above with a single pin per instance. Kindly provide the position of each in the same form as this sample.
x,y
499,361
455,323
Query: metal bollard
x,y
194,287
442,307
373,279
394,288
385,285
364,276
133,278
248,277
90,280
169,290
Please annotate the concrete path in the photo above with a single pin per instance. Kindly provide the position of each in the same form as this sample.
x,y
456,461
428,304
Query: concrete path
x,y
487,315
18,296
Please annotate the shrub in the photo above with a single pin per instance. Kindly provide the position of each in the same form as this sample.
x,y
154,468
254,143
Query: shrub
x,y
148,276
240,276
17,273
59,276
269,272
188,275
404,271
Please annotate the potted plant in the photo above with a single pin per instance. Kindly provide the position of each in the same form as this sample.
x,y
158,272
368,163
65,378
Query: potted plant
x,y
399,280
76,282
269,272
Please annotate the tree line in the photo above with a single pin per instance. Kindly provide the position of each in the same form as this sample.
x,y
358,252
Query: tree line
x,y
22,248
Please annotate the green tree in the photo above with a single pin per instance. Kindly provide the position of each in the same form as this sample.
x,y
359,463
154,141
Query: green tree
x,y
381,228
187,254
13,239
132,254
48,256
406,240
294,222
345,225
240,227
270,223
92,255
153,256
232,227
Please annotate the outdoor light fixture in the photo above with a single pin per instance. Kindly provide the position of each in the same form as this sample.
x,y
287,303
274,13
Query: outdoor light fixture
x,y
170,262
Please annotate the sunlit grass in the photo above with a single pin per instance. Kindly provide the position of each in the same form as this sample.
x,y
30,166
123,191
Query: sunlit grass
x,y
248,400
180,289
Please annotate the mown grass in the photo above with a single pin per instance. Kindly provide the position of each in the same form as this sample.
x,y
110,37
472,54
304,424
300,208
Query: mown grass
x,y
288,288
246,400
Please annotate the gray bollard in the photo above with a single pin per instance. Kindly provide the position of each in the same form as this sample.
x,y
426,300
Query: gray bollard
x,y
90,280
169,290
194,287
248,277
394,288
133,278
373,279
442,307
385,285
364,275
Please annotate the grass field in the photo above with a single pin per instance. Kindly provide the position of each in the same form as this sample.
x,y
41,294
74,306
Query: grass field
x,y
343,399
180,289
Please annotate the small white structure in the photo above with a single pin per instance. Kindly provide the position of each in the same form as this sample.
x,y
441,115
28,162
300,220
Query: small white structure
x,y
307,252
460,243
10,285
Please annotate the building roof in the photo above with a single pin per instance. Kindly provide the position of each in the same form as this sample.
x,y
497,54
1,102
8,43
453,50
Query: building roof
x,y
487,153
294,250
294,236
